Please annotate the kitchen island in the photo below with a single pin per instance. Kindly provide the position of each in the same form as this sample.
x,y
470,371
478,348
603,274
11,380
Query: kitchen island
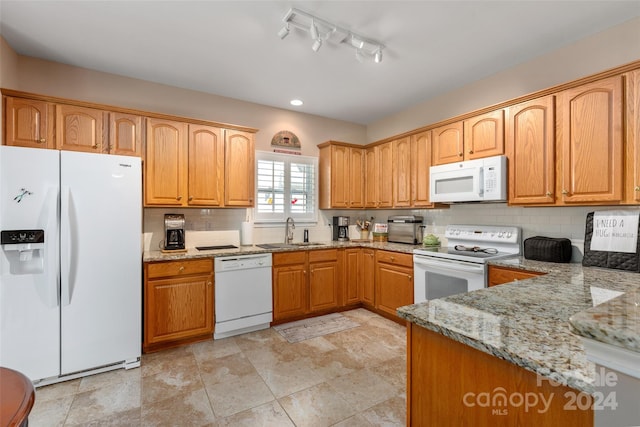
x,y
508,355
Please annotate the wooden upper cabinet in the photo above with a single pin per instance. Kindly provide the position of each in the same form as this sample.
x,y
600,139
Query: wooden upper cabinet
x,y
356,177
29,123
80,128
385,175
371,177
206,166
420,164
125,134
342,177
632,155
474,138
590,145
239,168
401,172
530,149
165,163
447,144
484,135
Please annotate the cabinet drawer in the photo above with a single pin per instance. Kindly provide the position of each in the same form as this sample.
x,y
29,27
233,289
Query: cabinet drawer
x,y
179,268
323,255
500,275
286,258
395,258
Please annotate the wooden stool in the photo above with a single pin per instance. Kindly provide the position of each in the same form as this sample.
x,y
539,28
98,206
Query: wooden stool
x,y
17,397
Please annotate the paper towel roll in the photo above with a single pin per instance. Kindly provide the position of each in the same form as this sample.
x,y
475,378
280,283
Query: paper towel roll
x,y
246,233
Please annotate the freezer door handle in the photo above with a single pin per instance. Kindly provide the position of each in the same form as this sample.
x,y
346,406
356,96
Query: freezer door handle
x,y
69,245
51,249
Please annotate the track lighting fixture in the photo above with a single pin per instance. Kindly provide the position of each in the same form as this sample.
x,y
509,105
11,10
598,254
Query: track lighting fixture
x,y
314,31
284,31
317,43
377,57
323,31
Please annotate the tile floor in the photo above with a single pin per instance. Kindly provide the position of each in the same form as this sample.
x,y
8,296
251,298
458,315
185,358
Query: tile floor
x,y
350,378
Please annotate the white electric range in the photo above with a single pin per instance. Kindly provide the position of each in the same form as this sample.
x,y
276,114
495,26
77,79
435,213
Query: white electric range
x,y
460,266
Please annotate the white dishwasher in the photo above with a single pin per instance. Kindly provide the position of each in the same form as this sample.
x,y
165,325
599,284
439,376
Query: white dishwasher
x,y
243,301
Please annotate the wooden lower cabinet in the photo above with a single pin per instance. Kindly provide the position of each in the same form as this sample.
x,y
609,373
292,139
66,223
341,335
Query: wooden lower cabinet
x,y
305,282
393,281
353,278
501,275
368,277
178,303
447,380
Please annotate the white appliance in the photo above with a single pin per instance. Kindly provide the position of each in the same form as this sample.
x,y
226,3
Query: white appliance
x,y
243,294
70,296
461,265
481,180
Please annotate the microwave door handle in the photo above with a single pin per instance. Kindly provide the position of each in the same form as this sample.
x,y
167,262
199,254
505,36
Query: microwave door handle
x,y
453,265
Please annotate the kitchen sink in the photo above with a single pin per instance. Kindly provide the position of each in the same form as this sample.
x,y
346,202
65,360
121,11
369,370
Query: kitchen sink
x,y
288,245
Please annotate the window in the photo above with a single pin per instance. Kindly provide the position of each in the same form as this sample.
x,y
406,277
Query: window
x,y
286,187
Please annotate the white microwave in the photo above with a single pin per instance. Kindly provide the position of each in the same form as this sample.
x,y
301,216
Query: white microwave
x,y
481,180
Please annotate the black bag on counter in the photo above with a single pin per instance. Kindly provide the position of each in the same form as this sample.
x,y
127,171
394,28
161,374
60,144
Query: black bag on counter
x,y
548,249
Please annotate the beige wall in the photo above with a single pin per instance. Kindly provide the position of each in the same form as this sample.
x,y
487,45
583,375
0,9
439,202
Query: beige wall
x,y
55,79
613,47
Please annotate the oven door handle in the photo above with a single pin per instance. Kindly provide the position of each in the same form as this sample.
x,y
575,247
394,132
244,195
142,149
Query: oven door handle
x,y
453,265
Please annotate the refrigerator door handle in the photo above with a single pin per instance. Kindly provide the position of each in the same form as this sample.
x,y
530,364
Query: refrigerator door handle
x,y
69,245
52,285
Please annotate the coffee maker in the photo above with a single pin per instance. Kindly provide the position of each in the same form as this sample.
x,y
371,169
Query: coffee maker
x,y
173,232
341,228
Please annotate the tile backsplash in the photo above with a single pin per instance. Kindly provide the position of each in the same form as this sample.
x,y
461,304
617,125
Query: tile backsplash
x,y
566,222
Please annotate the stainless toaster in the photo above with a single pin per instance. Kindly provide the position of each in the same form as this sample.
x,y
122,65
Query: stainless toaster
x,y
405,229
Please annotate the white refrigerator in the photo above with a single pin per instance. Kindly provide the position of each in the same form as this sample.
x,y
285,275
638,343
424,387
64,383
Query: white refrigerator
x,y
70,263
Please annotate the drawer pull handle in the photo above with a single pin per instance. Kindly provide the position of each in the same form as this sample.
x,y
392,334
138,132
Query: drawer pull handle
x,y
181,269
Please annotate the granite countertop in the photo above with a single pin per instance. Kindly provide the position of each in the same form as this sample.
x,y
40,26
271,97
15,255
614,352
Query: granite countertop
x,y
192,253
535,323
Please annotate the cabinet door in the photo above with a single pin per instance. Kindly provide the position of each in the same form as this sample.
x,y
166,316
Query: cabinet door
x,y
206,166
289,291
420,164
385,175
356,178
372,179
165,163
401,172
239,165
368,277
501,275
125,134
590,142
632,156
531,152
29,123
178,308
447,144
394,287
484,135
79,128
339,176
353,276
323,285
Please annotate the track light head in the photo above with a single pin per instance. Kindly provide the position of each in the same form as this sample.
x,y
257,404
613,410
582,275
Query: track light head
x,y
377,57
356,42
314,30
317,43
284,31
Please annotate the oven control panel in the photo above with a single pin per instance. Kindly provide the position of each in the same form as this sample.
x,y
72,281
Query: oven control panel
x,y
485,233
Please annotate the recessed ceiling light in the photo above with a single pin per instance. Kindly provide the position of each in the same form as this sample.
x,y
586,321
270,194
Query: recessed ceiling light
x,y
296,102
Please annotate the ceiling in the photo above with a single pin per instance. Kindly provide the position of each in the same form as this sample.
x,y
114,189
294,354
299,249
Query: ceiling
x,y
231,48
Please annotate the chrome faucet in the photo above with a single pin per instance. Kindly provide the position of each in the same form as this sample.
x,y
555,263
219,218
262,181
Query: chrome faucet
x,y
288,230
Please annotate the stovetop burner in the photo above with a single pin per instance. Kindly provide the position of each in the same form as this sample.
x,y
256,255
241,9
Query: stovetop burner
x,y
477,244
